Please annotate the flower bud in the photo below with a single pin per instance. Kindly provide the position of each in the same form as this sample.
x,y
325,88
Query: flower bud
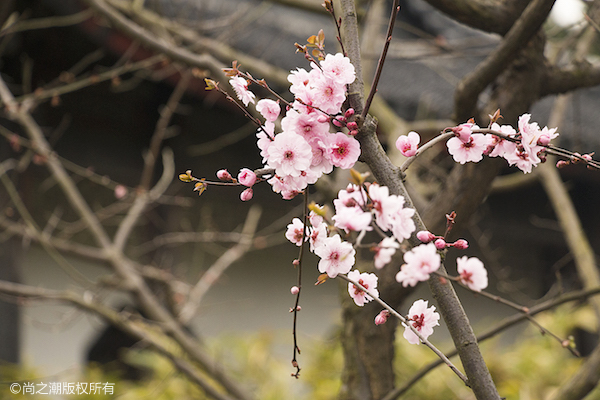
x,y
425,236
337,123
322,119
353,133
461,244
440,244
561,163
382,317
352,126
246,194
544,140
224,175
246,177
294,290
349,112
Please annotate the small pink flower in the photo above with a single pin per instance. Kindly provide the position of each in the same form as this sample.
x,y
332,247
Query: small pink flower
x,y
420,262
120,191
295,231
289,154
472,273
368,281
240,86
269,109
384,252
337,257
339,68
463,131
224,175
353,219
246,177
344,150
408,144
382,317
423,319
470,151
246,194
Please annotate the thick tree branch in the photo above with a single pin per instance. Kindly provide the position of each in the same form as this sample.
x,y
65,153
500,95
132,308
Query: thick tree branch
x,y
469,88
577,76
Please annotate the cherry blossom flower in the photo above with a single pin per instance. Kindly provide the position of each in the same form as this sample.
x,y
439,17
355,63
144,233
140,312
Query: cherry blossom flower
x,y
344,150
384,205
269,109
471,150
420,262
289,154
384,252
423,319
240,86
463,131
295,231
339,68
499,145
328,95
472,273
368,281
317,233
337,257
353,219
352,196
246,177
408,144
403,225
305,125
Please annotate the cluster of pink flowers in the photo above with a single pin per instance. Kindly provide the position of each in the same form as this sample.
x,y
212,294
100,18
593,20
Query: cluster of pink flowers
x,y
524,148
305,149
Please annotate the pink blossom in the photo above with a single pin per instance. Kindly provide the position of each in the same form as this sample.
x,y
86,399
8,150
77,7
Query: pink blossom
x,y
321,160
472,150
423,319
384,252
382,317
523,159
368,281
352,196
240,86
337,257
352,219
289,154
328,95
317,233
339,68
499,145
472,273
403,225
294,290
246,177
420,262
408,144
120,191
269,109
295,232
301,79
463,131
305,125
246,194
384,205
344,150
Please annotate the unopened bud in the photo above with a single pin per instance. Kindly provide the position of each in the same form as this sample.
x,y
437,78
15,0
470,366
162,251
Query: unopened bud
x,y
425,236
544,140
322,119
353,133
352,126
461,244
224,175
337,123
382,317
440,244
349,112
561,164
246,194
295,290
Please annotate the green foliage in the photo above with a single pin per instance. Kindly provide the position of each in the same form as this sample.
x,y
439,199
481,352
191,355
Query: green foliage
x,y
525,365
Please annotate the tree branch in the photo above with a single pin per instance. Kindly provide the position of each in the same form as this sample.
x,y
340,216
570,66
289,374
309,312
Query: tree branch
x,y
469,88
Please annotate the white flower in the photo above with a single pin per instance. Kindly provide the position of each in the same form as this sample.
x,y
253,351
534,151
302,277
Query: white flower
x,y
423,319
240,86
337,257
368,281
472,273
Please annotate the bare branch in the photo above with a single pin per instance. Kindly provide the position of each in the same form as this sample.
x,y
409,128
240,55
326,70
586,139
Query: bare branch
x,y
469,88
